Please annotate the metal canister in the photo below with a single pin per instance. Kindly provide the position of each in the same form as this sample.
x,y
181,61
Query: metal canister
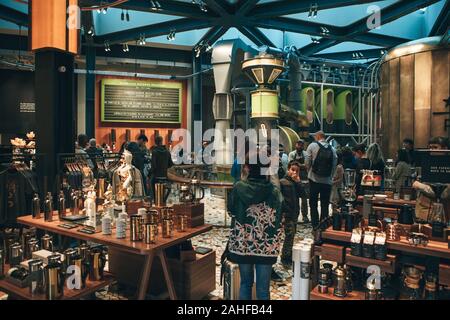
x,y
15,254
182,223
166,213
31,246
2,263
61,205
167,228
36,271
48,208
36,207
136,228
47,242
337,221
431,285
54,258
69,256
54,279
150,232
340,288
83,251
7,243
323,281
82,266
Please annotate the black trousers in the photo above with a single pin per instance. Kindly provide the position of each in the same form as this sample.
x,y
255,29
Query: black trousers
x,y
324,190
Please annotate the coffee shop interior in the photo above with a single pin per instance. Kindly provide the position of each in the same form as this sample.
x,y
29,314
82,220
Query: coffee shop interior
x,y
103,198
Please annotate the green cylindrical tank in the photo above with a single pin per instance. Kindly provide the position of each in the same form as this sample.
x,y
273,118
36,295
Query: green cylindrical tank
x,y
344,107
265,104
329,110
308,101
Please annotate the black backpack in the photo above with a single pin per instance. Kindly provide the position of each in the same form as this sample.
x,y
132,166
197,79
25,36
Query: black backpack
x,y
323,164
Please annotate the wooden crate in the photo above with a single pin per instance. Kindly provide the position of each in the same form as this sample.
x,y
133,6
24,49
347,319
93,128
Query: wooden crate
x,y
192,279
195,213
330,252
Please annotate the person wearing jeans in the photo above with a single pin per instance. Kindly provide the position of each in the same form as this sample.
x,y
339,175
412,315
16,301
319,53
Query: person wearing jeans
x,y
256,231
320,184
263,272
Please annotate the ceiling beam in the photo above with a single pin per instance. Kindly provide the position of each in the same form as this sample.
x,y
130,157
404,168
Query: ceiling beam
x,y
349,55
359,31
286,7
244,6
153,30
212,35
298,26
442,22
170,7
256,36
389,14
312,48
221,7
14,16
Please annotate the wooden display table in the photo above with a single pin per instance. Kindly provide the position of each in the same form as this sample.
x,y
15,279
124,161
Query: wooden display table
x,y
434,248
126,245
24,293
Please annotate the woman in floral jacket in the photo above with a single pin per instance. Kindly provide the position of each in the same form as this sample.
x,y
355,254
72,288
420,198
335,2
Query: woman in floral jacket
x,y
255,240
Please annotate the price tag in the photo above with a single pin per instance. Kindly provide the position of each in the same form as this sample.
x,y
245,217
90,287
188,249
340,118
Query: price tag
x,y
356,236
380,238
369,237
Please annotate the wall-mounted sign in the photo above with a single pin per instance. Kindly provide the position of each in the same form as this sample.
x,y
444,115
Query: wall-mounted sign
x,y
27,107
435,166
141,101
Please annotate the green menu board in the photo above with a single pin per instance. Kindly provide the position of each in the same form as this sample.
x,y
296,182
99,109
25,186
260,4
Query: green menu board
x,y
145,101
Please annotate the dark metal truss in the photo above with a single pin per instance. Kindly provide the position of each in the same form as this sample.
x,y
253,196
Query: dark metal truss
x,y
248,16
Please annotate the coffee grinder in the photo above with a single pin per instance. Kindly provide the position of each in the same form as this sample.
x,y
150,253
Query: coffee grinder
x,y
437,217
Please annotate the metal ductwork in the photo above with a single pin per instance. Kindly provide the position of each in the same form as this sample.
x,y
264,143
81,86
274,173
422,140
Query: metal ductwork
x,y
227,57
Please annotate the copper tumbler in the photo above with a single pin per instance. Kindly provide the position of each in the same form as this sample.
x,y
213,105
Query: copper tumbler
x,y
182,223
136,228
150,233
167,228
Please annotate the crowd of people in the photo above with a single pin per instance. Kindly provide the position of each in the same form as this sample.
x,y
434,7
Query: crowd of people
x,y
266,214
262,212
152,162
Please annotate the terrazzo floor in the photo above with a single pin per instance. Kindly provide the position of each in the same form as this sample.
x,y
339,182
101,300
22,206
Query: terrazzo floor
x,y
216,239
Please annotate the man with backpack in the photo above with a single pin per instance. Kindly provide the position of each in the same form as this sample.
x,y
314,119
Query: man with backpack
x,y
321,161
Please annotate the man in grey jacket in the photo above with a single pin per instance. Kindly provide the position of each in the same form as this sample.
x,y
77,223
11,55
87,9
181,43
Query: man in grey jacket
x,y
321,161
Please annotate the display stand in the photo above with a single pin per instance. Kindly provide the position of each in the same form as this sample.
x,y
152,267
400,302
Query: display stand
x,y
389,207
126,245
24,293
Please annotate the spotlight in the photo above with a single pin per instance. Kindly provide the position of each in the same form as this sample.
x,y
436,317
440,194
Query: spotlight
x,y
208,47
125,47
107,46
197,50
201,5
122,16
104,10
91,31
171,36
324,30
99,10
313,9
154,7
315,40
128,16
142,40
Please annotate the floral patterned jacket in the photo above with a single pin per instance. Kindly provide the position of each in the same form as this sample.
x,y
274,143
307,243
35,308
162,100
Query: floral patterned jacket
x,y
256,229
